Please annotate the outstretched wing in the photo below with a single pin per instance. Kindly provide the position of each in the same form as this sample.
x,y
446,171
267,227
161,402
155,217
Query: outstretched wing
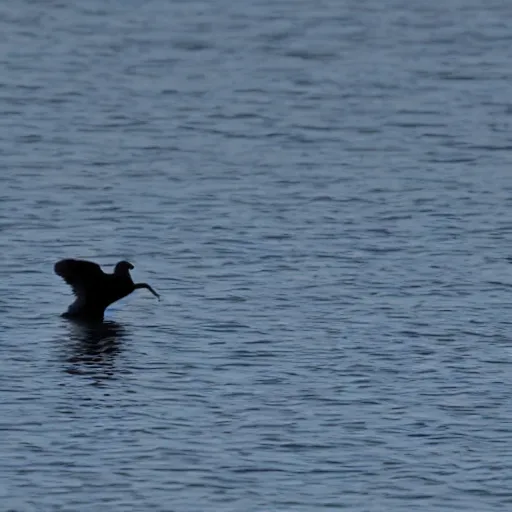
x,y
82,276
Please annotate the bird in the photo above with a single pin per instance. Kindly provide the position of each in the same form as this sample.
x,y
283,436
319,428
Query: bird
x,y
94,289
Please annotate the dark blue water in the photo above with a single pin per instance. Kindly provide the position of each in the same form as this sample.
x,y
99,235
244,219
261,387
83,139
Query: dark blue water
x,y
321,192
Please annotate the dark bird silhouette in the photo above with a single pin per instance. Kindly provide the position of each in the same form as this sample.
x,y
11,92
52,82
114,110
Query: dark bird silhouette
x,y
94,289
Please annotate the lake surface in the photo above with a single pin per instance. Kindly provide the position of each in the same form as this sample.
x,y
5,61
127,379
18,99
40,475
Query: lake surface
x,y
321,192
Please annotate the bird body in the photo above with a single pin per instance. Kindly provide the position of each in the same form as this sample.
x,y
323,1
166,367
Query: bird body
x,y
94,289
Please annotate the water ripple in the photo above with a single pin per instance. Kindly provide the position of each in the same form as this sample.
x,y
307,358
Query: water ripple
x,y
322,200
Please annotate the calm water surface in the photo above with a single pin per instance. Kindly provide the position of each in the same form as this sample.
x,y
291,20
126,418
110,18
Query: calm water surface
x,y
321,192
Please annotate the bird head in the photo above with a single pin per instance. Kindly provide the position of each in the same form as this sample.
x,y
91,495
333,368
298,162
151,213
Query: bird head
x,y
123,267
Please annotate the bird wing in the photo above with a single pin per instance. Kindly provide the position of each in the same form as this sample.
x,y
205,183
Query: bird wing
x,y
82,276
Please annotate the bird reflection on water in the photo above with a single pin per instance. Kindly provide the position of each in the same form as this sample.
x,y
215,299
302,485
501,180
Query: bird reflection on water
x,y
94,347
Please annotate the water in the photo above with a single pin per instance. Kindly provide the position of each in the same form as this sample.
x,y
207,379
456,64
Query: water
x,y
321,193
